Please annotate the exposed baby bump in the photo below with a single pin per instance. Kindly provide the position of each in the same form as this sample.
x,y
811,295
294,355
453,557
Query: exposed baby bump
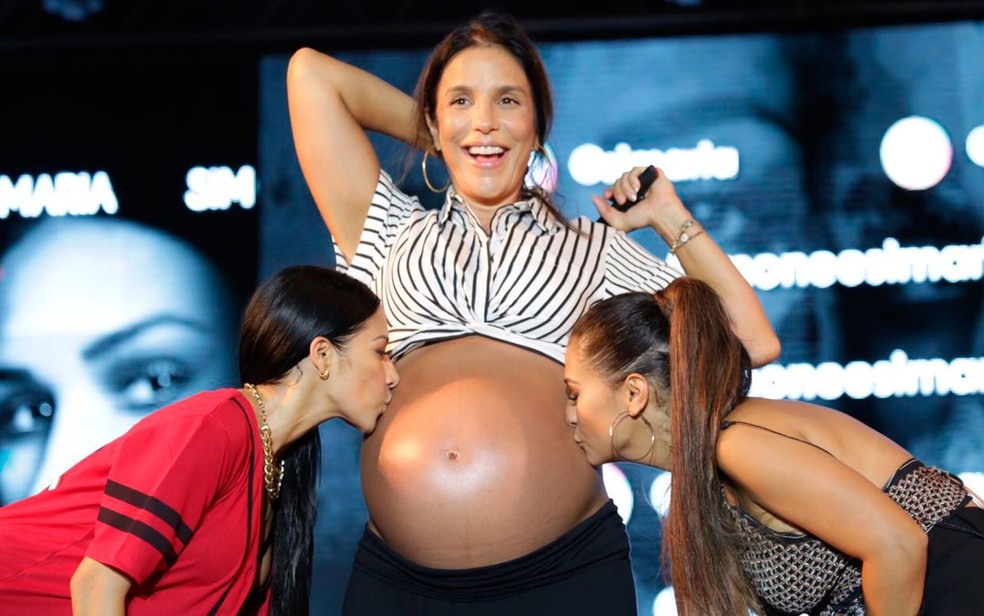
x,y
455,480
451,447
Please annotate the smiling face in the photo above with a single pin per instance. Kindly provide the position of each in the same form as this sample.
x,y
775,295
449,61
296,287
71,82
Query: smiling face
x,y
592,406
101,322
363,377
485,124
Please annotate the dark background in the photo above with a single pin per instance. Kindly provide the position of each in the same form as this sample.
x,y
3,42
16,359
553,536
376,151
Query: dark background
x,y
36,26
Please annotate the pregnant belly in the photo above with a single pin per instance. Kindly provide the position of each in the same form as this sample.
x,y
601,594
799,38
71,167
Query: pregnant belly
x,y
473,462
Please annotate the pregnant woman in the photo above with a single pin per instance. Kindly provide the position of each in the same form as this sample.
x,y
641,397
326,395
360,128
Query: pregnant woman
x,y
478,500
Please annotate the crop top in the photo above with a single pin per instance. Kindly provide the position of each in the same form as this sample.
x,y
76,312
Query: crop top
x,y
440,275
795,573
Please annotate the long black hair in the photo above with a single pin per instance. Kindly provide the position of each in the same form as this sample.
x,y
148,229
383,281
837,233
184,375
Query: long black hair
x,y
286,312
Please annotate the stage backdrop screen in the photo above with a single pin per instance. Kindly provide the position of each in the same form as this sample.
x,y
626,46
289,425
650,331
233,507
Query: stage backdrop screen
x,y
842,171
142,195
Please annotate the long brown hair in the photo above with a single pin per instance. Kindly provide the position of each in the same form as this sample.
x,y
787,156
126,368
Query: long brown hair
x,y
683,343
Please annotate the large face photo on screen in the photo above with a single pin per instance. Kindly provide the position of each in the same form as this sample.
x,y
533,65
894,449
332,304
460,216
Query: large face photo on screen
x,y
119,292
94,337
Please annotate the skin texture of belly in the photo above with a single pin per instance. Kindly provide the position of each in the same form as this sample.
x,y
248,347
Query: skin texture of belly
x,y
473,463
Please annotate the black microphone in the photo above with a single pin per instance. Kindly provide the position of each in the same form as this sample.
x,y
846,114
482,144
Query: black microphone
x,y
646,179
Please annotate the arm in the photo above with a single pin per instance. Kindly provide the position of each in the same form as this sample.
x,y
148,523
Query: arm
x,y
98,590
332,104
812,490
701,258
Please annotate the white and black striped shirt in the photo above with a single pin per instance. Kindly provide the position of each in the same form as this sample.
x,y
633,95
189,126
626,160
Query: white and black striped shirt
x,y
440,276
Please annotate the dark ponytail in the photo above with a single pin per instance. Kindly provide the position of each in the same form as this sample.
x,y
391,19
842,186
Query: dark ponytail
x,y
682,341
710,374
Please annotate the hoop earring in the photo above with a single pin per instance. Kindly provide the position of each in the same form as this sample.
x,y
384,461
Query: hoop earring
x,y
611,435
323,374
423,168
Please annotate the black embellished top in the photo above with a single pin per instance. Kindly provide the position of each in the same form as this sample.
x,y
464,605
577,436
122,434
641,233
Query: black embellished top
x,y
795,573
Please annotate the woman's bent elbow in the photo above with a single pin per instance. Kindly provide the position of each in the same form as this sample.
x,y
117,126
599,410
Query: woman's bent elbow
x,y
906,552
764,351
916,545
300,62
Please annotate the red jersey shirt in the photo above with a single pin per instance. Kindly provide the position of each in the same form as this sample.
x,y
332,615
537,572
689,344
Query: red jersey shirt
x,y
175,504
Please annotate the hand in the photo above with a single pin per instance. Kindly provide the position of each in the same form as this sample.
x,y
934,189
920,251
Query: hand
x,y
661,207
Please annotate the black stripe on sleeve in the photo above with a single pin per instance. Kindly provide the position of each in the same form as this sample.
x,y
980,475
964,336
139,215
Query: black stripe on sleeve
x,y
152,505
140,530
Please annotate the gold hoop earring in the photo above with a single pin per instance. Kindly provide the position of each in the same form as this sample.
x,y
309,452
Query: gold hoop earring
x,y
323,374
611,435
423,168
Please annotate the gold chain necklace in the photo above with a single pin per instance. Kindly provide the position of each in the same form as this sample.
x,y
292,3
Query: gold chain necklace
x,y
273,474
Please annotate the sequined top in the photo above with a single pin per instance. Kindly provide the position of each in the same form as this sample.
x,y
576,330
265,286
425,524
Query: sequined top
x,y
795,573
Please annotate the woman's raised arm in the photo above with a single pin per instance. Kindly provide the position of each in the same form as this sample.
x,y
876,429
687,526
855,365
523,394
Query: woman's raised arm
x,y
699,255
332,105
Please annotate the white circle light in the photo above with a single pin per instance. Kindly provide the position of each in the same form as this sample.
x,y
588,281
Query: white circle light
x,y
916,153
975,146
619,489
659,494
975,483
665,603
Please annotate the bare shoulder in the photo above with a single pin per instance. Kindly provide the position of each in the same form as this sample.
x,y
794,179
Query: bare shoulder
x,y
835,432
763,418
777,414
792,414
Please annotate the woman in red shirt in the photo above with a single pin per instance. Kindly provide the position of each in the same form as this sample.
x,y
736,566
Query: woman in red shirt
x,y
207,505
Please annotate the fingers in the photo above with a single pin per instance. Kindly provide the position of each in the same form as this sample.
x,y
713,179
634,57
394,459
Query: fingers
x,y
624,188
604,207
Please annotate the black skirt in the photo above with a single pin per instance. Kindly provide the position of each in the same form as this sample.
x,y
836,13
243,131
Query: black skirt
x,y
586,571
955,565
